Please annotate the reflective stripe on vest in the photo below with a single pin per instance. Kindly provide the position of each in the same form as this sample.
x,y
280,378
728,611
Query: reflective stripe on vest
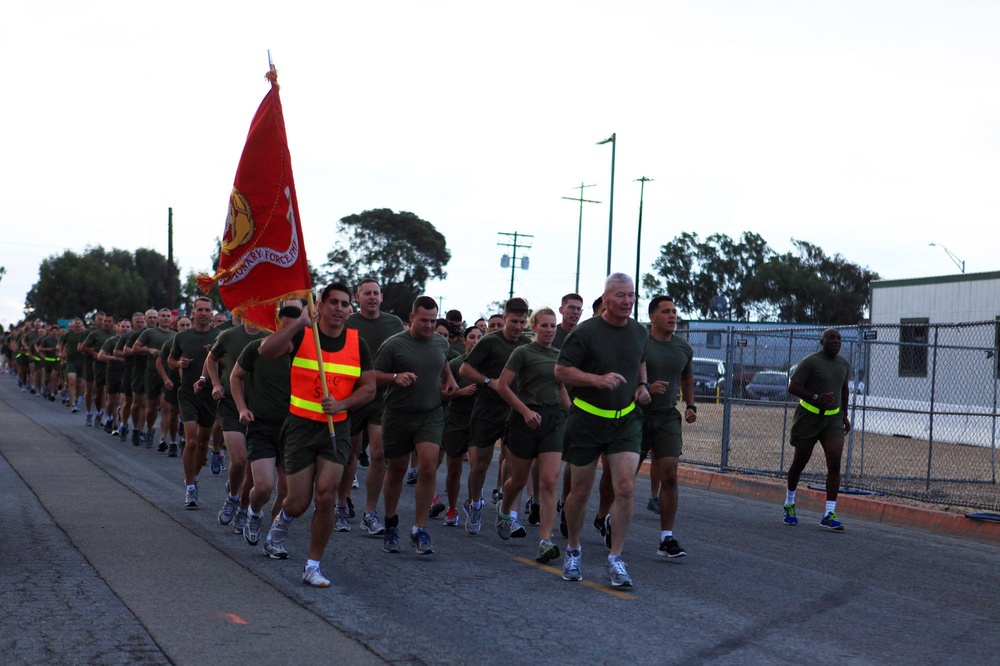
x,y
815,410
603,413
342,371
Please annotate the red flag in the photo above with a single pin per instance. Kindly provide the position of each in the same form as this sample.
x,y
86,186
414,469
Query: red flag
x,y
262,258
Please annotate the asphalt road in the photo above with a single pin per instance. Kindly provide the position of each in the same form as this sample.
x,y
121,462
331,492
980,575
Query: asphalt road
x,y
102,564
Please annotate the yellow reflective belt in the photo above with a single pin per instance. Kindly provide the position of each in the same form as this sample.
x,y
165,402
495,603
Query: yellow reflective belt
x,y
51,360
815,410
309,405
603,413
334,368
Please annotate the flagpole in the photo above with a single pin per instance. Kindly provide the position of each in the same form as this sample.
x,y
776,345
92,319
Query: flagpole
x,y
319,361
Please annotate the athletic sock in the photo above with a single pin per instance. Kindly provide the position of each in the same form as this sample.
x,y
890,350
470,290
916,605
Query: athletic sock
x,y
312,563
414,529
831,506
284,518
789,497
478,504
666,534
192,487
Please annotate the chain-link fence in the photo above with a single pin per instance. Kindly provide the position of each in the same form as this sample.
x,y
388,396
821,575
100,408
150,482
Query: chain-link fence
x,y
923,406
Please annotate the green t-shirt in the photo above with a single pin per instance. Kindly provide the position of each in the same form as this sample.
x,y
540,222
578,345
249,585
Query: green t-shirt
x,y
374,332
154,338
269,384
560,338
47,347
425,358
173,373
95,341
194,345
70,341
228,347
534,367
667,361
597,347
818,373
459,409
490,356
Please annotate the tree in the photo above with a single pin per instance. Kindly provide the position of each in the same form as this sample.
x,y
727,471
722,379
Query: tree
x,y
73,285
747,280
704,276
809,287
400,250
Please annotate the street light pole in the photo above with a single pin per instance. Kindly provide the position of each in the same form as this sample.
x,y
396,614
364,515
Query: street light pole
x,y
951,255
579,230
638,241
611,199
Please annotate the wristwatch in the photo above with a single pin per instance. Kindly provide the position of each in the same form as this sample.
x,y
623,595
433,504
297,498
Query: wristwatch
x,y
693,408
646,384
486,382
815,397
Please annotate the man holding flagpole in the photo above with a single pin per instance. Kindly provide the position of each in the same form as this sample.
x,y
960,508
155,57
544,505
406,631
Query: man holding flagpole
x,y
313,459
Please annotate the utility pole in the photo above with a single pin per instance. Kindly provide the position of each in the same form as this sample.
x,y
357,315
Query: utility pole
x,y
579,229
170,258
638,241
613,140
511,260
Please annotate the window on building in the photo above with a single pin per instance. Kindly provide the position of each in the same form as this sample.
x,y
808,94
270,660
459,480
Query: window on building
x,y
913,347
713,340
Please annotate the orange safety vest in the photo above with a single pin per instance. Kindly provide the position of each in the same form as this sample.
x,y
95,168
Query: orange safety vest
x,y
342,368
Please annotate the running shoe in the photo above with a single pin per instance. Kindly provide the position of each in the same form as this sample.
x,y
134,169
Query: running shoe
x,y
617,574
191,498
653,504
790,518
831,523
109,426
411,477
503,525
228,511
390,540
533,517
351,513
216,464
607,530
355,484
148,437
563,527
363,459
276,551
341,521
437,508
90,419
222,460
162,447
312,577
172,451
547,551
527,506
571,566
451,518
421,540
600,523
473,520
497,495
251,531
123,433
98,418
670,548
136,437
278,533
240,521
517,530
371,524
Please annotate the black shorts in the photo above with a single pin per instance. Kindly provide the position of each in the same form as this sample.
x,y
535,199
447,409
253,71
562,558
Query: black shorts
x,y
457,435
661,434
489,423
154,385
401,431
370,414
588,436
527,443
264,440
198,407
305,440
100,375
229,416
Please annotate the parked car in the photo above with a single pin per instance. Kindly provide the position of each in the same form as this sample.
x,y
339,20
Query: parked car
x,y
709,377
768,385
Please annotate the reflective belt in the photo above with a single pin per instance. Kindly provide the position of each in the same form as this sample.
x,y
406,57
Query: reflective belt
x,y
51,359
311,406
603,413
815,410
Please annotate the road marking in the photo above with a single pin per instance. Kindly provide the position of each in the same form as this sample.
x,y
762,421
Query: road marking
x,y
587,583
235,619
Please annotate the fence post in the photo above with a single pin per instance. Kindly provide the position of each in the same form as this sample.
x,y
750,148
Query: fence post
x,y
727,405
930,425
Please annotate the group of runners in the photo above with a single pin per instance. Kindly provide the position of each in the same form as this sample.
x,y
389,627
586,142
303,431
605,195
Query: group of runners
x,y
403,398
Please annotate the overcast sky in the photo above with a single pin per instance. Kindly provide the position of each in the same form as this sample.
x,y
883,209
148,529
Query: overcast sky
x,y
868,128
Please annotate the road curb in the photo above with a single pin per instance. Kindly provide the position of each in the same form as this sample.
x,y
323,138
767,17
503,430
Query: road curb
x,y
866,508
